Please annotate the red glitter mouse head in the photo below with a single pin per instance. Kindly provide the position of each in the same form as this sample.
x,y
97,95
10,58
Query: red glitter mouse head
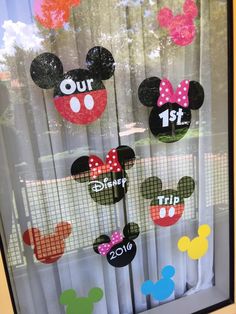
x,y
53,14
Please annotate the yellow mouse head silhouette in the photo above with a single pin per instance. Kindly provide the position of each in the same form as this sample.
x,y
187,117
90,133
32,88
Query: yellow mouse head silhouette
x,y
198,247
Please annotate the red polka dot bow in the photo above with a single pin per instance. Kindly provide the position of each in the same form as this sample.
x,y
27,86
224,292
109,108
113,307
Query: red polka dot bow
x,y
97,166
167,93
104,248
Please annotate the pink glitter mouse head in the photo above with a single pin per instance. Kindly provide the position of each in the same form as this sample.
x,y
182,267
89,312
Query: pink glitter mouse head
x,y
181,27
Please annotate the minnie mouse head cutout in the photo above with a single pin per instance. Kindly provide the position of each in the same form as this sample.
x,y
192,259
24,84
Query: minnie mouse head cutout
x,y
108,182
120,250
79,95
170,117
181,27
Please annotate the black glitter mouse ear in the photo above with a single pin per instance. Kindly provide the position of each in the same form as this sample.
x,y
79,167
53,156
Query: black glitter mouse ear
x,y
131,231
126,156
46,70
151,187
195,95
100,63
148,91
186,186
100,240
80,170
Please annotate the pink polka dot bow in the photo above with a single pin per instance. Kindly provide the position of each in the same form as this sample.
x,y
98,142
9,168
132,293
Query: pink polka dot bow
x,y
167,94
104,248
97,166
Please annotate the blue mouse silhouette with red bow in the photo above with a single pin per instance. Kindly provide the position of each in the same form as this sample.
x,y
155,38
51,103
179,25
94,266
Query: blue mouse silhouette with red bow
x,y
170,117
163,288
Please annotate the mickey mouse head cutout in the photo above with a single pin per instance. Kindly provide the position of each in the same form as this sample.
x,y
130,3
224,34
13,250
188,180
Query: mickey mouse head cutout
x,y
108,182
120,250
198,247
166,206
181,27
53,14
80,305
170,117
163,288
48,248
79,95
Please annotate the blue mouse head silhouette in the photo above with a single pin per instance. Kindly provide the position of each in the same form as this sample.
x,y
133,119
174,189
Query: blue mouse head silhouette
x,y
80,305
163,288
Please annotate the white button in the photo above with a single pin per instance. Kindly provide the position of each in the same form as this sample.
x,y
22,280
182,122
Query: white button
x,y
75,105
162,212
89,102
171,212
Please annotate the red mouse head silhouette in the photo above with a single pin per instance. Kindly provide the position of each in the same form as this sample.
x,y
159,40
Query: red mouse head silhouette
x,y
181,27
53,14
48,248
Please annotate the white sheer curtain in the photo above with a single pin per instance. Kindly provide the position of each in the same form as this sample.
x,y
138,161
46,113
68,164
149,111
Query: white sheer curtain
x,y
36,146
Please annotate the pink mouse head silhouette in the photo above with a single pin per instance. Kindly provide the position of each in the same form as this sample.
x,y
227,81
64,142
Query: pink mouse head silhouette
x,y
181,27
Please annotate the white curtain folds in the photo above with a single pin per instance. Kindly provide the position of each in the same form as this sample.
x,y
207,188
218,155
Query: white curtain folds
x,y
38,147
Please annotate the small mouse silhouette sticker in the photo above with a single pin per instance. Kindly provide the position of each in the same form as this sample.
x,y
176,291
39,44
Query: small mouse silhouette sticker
x,y
197,247
181,27
170,117
107,181
53,14
80,305
167,206
163,288
119,249
48,248
79,95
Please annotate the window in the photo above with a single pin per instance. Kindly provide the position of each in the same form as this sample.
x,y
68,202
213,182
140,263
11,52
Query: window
x,y
85,153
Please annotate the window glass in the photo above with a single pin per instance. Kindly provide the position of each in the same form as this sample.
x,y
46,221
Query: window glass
x,y
114,154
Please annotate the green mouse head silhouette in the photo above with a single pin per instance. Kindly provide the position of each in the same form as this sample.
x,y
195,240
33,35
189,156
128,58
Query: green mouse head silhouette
x,y
80,305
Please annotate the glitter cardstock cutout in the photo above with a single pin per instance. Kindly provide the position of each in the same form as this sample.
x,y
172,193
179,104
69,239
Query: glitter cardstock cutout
x,y
167,206
48,248
80,305
53,14
119,249
181,27
79,95
170,117
163,288
107,181
197,247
